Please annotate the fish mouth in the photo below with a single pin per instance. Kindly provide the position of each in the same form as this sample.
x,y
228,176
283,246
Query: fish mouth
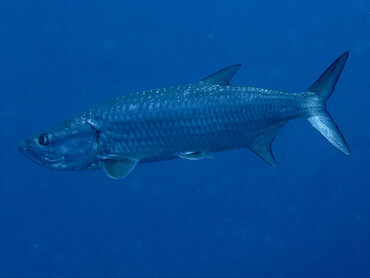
x,y
42,158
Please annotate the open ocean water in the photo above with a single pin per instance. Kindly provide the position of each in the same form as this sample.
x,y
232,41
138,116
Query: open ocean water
x,y
234,216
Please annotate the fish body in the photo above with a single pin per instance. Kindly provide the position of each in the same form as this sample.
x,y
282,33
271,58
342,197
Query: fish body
x,y
198,118
191,121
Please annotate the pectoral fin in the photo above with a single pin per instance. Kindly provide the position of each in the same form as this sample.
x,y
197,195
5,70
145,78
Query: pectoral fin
x,y
118,168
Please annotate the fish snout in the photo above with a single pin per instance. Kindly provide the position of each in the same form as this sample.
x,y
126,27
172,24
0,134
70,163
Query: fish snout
x,y
22,147
25,149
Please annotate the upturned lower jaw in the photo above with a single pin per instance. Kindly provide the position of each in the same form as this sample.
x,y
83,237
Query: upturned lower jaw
x,y
39,158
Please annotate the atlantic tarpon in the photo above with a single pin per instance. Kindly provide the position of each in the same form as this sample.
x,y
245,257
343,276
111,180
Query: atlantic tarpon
x,y
191,121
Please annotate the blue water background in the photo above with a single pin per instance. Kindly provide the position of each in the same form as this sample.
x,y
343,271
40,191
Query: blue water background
x,y
233,216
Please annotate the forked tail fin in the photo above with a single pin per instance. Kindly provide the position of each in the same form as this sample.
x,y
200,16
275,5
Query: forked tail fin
x,y
320,119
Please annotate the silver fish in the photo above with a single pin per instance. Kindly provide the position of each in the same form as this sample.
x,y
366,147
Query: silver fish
x,y
192,122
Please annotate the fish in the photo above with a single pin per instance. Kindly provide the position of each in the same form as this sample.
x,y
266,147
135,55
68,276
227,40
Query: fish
x,y
192,122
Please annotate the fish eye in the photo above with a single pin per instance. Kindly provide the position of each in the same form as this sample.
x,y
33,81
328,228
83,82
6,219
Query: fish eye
x,y
43,139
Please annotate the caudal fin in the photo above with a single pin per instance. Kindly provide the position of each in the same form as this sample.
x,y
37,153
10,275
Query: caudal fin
x,y
320,119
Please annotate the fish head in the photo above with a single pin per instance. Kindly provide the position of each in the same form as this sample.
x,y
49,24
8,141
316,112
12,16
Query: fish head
x,y
71,145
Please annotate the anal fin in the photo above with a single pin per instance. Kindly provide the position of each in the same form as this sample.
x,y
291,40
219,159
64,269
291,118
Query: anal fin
x,y
264,151
118,168
262,144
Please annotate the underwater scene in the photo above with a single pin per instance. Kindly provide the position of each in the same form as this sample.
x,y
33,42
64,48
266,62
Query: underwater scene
x,y
185,138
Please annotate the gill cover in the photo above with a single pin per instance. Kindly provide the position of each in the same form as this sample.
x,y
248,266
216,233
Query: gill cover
x,y
71,145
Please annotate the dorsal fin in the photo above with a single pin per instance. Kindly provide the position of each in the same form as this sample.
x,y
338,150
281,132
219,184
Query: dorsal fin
x,y
222,77
262,146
